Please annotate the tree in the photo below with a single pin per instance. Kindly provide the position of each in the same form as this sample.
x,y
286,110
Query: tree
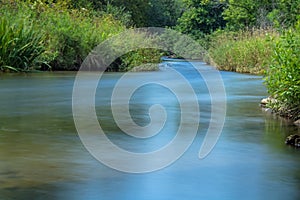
x,y
164,13
248,13
155,13
137,9
261,13
143,13
201,17
286,13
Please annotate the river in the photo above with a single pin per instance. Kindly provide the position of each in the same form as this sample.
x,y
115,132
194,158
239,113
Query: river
x,y
42,156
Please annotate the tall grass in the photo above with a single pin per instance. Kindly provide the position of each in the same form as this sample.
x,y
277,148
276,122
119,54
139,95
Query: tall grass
x,y
60,39
20,45
72,35
245,51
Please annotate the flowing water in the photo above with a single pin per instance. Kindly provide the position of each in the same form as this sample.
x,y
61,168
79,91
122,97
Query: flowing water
x,y
42,156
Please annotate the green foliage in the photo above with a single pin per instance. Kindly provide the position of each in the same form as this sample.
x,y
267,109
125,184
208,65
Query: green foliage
x,y
65,38
129,42
20,46
149,13
244,51
261,13
283,77
88,4
137,8
72,35
201,17
139,13
242,14
204,16
163,13
285,13
64,32
118,13
182,46
141,57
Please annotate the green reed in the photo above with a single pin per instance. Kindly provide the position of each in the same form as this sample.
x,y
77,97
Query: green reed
x,y
20,45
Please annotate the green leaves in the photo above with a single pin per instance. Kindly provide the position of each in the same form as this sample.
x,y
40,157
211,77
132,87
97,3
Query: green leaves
x,y
20,46
238,14
43,35
201,17
283,77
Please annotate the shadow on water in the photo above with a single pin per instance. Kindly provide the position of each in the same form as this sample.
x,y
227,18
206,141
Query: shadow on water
x,y
42,157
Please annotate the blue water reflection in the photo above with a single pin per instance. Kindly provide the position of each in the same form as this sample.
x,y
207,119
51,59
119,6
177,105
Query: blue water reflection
x,y
41,156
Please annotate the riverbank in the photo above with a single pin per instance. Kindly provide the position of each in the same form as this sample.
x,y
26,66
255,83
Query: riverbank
x,y
43,40
267,105
34,37
270,53
245,51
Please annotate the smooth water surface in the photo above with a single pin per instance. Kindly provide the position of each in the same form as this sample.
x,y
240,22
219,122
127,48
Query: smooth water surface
x,y
42,157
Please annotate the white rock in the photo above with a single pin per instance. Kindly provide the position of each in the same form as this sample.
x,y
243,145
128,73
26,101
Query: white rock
x,y
297,122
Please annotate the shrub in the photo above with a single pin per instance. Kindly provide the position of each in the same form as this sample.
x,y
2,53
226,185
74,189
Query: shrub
x,y
135,48
283,77
139,57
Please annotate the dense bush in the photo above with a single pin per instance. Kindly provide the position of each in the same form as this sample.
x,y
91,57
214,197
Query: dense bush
x,y
283,76
201,18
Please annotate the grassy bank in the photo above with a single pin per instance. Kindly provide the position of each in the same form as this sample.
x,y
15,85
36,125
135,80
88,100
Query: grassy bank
x,y
50,35
266,52
40,35
243,51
